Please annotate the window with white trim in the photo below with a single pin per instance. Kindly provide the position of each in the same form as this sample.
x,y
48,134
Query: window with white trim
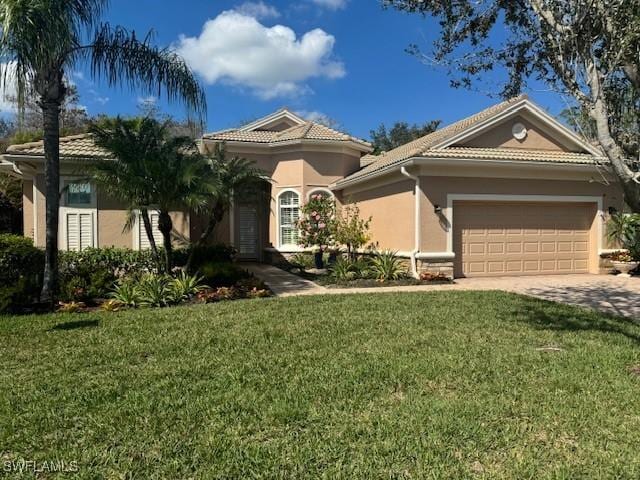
x,y
143,242
288,215
79,229
78,194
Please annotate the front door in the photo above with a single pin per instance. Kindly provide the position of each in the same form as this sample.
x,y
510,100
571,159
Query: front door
x,y
248,234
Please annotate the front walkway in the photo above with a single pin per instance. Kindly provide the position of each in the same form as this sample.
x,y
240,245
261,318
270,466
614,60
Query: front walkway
x,y
606,293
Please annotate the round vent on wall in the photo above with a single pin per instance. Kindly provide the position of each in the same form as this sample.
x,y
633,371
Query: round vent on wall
x,y
519,131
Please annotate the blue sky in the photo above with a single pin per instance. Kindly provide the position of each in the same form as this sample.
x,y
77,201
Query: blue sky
x,y
342,58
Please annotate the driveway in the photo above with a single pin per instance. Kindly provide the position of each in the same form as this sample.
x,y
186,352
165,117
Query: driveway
x,y
606,293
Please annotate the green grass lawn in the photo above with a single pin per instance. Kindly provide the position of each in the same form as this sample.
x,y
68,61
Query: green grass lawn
x,y
438,385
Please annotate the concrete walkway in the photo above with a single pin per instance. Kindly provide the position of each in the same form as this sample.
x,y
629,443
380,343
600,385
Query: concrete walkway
x,y
606,293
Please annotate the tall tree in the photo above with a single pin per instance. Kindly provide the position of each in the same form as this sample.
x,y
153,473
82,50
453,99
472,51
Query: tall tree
x,y
400,133
42,39
588,49
152,170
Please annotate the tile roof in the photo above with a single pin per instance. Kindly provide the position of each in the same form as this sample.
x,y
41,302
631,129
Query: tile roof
x,y
305,131
517,154
417,147
427,146
74,146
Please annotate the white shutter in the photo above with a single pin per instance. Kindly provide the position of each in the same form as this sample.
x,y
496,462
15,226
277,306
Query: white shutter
x,y
73,237
79,230
142,233
86,230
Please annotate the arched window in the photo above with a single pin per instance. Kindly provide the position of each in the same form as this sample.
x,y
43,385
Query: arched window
x,y
288,215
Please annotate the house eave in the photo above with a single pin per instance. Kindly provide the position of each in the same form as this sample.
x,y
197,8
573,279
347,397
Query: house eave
x,y
307,142
461,162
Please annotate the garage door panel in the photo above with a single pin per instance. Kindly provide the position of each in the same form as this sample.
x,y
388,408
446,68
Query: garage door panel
x,y
499,238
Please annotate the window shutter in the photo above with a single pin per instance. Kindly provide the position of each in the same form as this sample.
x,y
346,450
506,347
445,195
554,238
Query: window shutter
x,y
142,233
79,228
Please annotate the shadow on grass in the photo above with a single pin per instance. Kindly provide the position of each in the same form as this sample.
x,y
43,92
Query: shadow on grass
x,y
75,325
548,316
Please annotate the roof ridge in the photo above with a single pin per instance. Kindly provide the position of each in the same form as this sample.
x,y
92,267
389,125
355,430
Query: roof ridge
x,y
40,143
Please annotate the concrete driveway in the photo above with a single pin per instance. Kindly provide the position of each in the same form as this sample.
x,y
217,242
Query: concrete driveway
x,y
606,293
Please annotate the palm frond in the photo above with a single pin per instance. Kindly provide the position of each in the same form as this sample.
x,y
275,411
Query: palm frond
x,y
120,57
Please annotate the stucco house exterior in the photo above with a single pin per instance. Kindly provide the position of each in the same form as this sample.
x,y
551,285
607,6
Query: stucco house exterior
x,y
507,191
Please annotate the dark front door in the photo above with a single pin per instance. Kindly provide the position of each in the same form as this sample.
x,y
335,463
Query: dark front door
x,y
248,232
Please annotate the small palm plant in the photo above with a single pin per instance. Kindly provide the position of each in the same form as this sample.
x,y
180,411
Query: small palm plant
x,y
387,266
624,231
185,286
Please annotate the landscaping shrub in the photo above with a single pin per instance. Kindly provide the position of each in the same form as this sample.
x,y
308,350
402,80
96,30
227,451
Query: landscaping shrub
x,y
387,266
92,272
209,254
302,260
344,270
155,290
21,266
222,274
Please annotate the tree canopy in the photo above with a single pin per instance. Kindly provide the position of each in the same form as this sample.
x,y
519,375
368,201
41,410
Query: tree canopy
x,y
587,50
384,139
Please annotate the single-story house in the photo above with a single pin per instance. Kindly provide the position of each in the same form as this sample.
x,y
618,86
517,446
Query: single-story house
x,y
507,191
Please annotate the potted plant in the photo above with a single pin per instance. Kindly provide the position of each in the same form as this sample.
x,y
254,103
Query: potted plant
x,y
316,226
623,263
624,230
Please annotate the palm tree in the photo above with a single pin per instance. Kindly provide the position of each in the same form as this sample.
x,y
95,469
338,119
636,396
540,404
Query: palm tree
x,y
151,169
226,178
41,40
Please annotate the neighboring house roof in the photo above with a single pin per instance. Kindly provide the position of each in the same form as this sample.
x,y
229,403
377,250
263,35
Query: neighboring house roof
x,y
258,132
440,144
72,147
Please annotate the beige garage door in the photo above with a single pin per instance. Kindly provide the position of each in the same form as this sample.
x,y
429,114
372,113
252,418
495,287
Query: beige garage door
x,y
496,238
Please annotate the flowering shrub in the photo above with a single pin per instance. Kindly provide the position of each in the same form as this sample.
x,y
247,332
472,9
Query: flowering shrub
x,y
317,223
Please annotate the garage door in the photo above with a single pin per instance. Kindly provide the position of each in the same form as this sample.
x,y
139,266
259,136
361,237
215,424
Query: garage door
x,y
496,238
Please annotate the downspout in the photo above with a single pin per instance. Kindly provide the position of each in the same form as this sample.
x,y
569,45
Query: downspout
x,y
417,233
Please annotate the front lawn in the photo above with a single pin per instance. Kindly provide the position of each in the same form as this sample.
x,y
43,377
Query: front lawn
x,y
412,385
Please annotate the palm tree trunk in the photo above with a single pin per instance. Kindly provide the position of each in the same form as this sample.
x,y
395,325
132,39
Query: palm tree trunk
x,y
215,218
51,122
148,228
165,225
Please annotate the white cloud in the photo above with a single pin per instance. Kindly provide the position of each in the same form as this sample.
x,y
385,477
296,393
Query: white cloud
x,y
151,99
331,4
96,97
8,88
237,49
259,10
317,117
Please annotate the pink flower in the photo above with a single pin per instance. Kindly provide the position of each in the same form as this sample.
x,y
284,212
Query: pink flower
x,y
321,225
317,217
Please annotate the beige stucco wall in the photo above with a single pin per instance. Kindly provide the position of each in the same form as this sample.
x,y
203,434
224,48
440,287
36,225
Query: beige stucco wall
x,y
391,208
436,188
40,202
502,136
111,218
303,168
